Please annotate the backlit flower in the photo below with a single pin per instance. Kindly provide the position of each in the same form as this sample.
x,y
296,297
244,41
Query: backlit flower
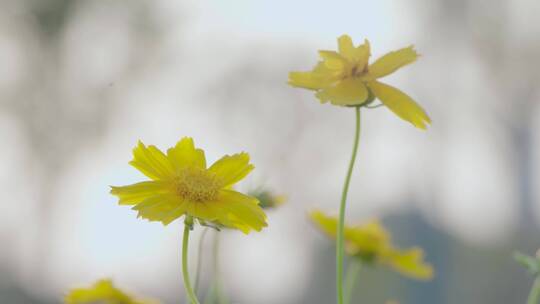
x,y
103,292
371,243
345,78
182,184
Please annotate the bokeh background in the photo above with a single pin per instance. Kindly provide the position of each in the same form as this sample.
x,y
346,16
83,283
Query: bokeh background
x,y
82,81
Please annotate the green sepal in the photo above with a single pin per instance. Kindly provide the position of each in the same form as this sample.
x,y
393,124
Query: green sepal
x,y
212,225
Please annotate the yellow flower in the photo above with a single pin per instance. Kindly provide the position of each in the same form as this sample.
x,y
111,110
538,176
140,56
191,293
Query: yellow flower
x,y
181,184
267,198
346,79
103,292
372,244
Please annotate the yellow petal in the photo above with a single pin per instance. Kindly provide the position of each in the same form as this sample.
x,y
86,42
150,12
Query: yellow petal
x,y
202,210
310,80
326,223
400,103
102,291
350,91
164,208
151,162
173,214
410,263
362,53
346,47
184,154
357,55
333,60
239,211
368,238
235,223
136,193
232,168
392,61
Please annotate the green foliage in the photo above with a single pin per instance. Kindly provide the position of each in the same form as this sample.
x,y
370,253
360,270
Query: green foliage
x,y
532,264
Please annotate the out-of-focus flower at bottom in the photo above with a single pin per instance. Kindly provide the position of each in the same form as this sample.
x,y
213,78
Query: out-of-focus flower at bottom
x,y
371,243
103,292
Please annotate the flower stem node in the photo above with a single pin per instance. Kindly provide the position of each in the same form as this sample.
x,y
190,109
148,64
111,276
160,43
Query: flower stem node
x,y
189,222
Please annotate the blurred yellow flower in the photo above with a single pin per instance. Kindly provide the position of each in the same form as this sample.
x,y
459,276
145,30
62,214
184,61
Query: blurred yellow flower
x,y
181,184
103,292
372,244
268,199
346,79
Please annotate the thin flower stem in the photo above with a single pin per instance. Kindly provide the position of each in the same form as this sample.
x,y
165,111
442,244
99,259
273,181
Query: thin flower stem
x,y
215,295
199,260
210,297
340,238
221,298
534,295
187,284
352,273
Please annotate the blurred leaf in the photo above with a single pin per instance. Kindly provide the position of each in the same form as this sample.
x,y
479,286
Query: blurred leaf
x,y
531,263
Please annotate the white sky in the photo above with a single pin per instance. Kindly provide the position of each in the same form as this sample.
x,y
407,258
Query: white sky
x,y
95,237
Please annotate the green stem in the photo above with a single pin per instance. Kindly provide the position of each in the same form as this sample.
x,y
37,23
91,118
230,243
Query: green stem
x,y
535,292
187,284
210,297
352,273
340,237
199,260
221,298
215,295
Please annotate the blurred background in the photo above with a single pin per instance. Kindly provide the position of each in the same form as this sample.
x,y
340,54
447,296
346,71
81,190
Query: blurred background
x,y
82,81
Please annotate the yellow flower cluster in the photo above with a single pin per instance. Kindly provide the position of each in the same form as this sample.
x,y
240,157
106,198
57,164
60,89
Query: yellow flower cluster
x,y
180,184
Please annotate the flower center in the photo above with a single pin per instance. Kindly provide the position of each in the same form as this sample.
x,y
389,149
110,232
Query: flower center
x,y
196,185
358,71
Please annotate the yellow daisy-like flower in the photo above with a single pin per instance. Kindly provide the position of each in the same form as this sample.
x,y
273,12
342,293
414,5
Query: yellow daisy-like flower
x,y
181,184
345,78
372,244
103,292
